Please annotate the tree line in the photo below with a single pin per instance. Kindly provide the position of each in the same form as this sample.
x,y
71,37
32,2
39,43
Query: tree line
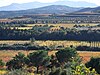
x,y
42,33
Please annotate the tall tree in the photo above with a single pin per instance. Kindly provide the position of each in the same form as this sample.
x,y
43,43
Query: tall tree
x,y
17,62
39,58
66,55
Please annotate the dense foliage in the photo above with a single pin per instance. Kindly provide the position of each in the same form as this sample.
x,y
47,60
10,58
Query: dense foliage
x,y
43,33
49,65
87,48
2,63
26,46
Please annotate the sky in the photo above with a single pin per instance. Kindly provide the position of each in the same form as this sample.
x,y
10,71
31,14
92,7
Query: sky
x,y
8,2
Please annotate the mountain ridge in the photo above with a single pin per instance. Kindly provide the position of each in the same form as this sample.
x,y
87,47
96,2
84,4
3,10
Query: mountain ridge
x,y
90,10
57,9
32,5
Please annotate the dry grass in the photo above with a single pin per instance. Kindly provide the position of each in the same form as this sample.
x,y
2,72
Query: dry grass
x,y
86,56
10,42
22,28
7,55
62,43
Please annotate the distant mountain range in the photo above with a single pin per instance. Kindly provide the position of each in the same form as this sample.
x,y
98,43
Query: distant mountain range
x,y
33,5
52,9
57,9
90,10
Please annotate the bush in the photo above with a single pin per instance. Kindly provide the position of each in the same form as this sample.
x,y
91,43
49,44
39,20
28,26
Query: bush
x,y
82,70
17,62
2,63
18,72
66,55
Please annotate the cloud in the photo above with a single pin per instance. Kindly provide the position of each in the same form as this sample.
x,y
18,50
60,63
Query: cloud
x,y
90,1
8,2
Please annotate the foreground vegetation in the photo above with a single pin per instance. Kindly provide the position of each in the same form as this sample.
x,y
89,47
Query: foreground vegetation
x,y
64,62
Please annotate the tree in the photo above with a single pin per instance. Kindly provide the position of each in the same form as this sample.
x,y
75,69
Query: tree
x,y
66,55
39,58
32,40
17,62
2,64
94,63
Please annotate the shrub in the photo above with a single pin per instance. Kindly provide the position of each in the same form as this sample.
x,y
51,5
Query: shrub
x,y
82,70
2,63
17,62
17,72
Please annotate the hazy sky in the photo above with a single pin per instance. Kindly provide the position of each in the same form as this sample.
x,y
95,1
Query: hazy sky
x,y
7,2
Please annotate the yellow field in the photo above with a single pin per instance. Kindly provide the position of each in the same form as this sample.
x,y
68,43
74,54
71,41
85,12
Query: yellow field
x,y
85,24
22,28
10,42
29,26
64,43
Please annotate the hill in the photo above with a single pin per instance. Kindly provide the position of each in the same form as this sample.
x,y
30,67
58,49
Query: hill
x,y
57,9
90,10
32,5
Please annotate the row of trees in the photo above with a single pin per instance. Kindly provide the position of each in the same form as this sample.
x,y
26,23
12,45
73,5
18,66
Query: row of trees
x,y
44,34
87,48
64,62
26,46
